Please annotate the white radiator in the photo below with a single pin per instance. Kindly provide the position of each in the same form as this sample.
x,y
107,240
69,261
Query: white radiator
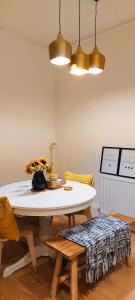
x,y
118,194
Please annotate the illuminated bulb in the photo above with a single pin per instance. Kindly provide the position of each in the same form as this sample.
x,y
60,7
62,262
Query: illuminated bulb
x,y
60,51
95,71
96,62
79,63
60,61
74,70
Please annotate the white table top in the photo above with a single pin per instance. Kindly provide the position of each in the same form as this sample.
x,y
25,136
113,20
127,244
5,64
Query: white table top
x,y
47,202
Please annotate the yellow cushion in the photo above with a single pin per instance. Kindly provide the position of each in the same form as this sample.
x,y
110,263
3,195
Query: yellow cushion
x,y
8,226
82,178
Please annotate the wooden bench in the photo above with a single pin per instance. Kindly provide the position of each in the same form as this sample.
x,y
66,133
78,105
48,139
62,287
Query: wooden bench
x,y
129,220
71,251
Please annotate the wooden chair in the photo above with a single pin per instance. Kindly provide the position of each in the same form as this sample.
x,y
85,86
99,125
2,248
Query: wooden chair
x,y
85,212
71,251
25,232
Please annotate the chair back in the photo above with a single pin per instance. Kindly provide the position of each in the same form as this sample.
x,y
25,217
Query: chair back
x,y
93,182
82,178
8,225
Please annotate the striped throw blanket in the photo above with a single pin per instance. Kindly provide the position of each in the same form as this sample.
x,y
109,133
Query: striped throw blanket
x,y
107,240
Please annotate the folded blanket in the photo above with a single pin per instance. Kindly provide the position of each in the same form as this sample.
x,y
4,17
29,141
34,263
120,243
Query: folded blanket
x,y
107,240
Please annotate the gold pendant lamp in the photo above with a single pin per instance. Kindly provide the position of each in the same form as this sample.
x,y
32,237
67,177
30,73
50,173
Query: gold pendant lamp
x,y
60,50
96,59
79,64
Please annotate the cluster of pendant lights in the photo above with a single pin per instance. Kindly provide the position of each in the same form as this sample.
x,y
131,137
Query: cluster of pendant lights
x,y
80,63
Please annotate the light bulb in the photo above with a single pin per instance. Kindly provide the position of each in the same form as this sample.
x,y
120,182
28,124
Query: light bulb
x,y
95,71
60,61
75,70
96,62
60,51
79,63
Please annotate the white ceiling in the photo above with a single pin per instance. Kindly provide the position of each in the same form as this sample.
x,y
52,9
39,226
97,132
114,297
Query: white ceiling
x,y
38,19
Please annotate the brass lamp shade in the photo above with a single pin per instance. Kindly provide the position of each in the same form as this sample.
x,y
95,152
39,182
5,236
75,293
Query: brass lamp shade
x,y
60,51
96,62
79,64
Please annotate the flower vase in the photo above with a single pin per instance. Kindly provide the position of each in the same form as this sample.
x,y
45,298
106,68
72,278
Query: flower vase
x,y
39,181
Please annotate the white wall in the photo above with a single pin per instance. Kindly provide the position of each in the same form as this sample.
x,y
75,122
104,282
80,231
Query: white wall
x,y
26,105
89,112
96,111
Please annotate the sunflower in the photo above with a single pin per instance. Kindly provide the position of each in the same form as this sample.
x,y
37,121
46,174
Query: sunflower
x,y
43,160
38,164
29,168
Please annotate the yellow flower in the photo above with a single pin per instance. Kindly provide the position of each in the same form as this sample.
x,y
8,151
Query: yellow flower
x,y
40,163
43,160
29,169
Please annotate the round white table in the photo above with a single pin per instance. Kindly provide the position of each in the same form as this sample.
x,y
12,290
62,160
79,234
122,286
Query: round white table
x,y
44,204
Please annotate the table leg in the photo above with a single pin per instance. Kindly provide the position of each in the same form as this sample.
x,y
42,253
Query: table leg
x,y
45,232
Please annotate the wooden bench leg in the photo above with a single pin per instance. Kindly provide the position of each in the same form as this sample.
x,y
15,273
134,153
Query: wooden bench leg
x,y
73,280
57,270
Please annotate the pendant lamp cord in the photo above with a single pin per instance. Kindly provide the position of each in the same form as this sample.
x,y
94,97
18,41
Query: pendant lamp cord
x,y
79,21
96,22
59,16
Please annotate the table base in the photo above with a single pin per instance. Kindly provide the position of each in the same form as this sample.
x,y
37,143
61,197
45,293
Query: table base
x,y
26,259
45,233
